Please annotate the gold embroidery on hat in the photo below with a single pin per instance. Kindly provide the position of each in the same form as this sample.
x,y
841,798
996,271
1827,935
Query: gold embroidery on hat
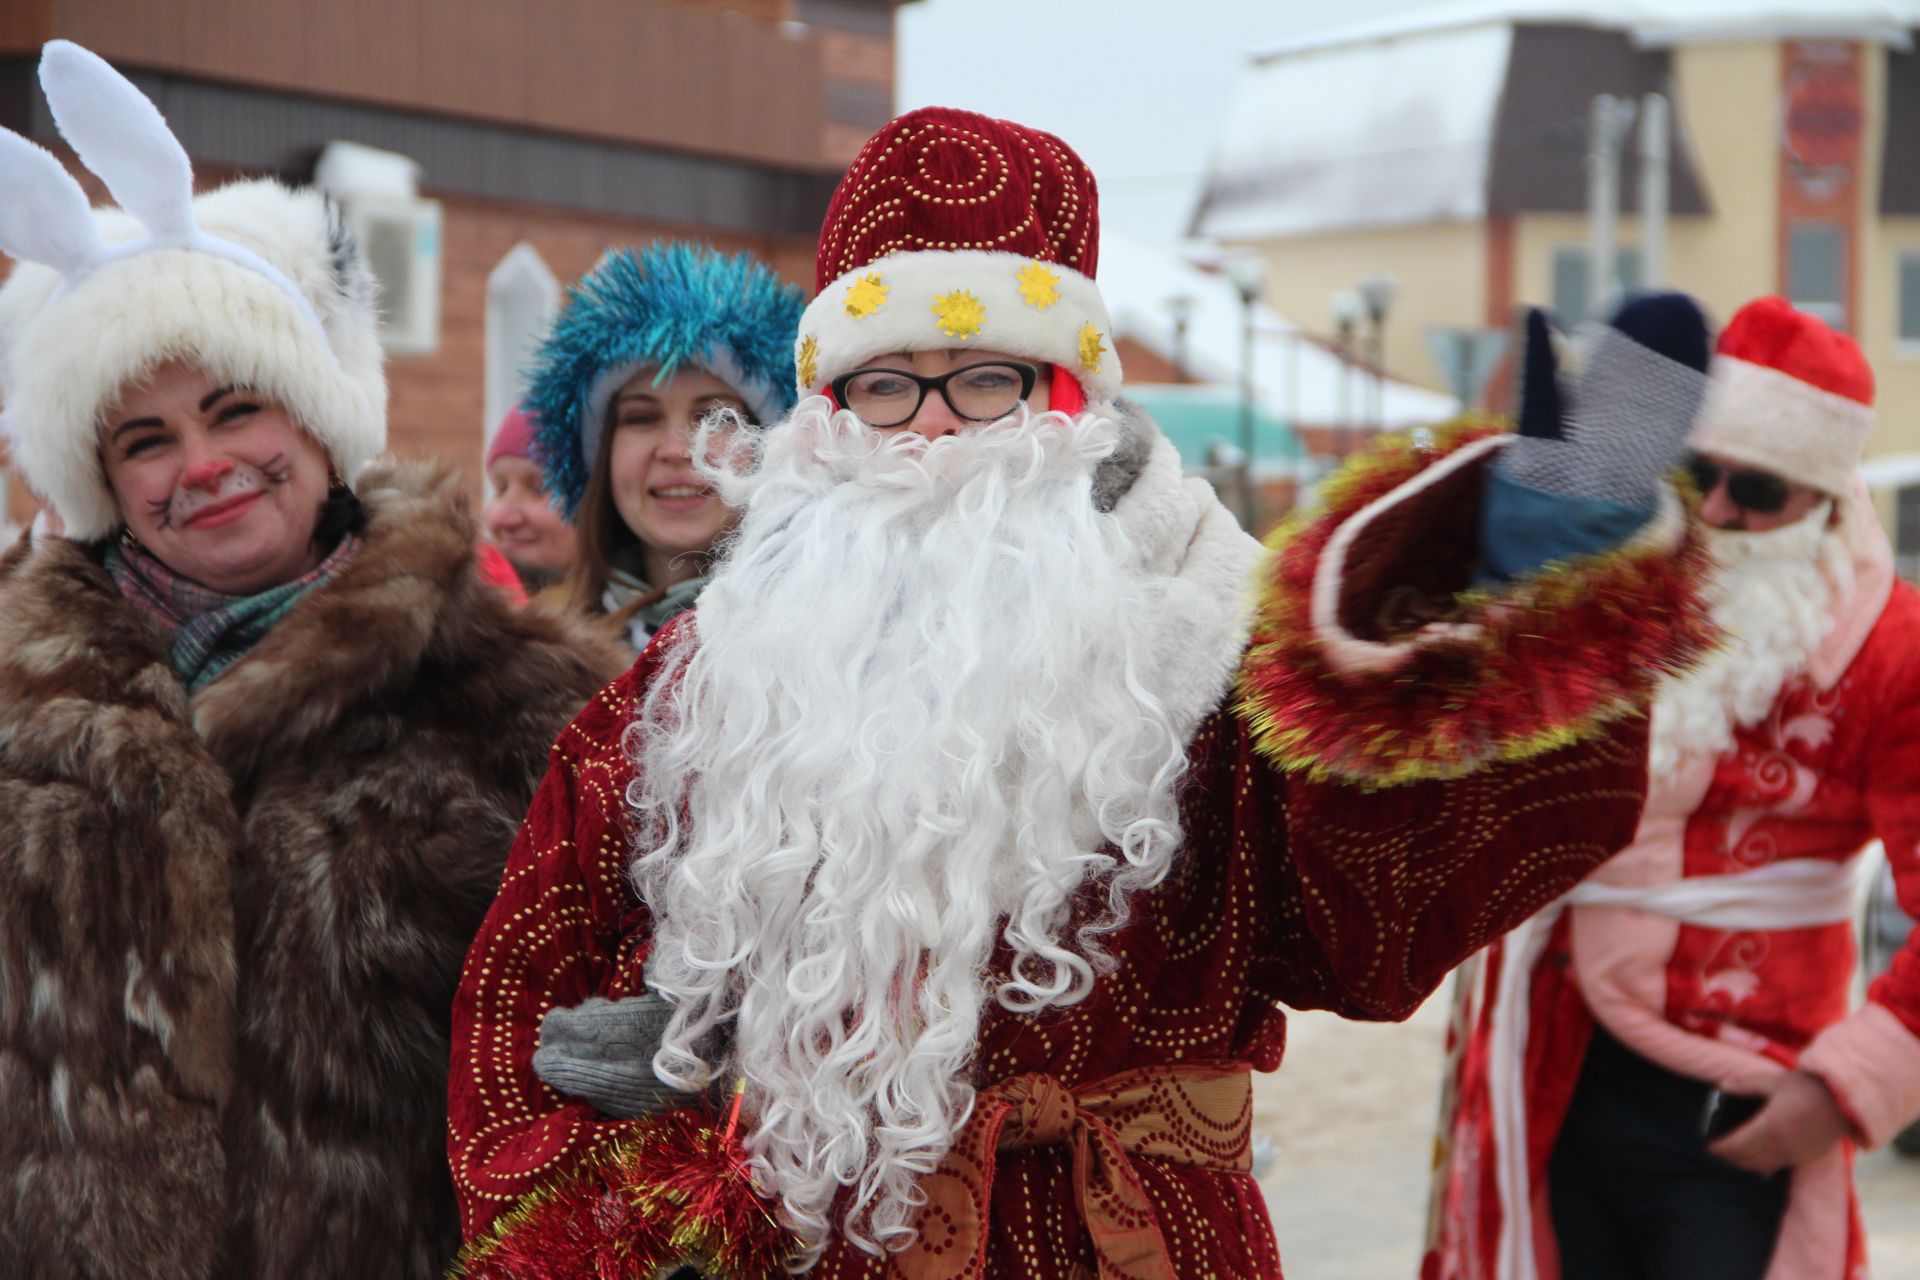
x,y
866,295
1091,345
961,314
809,360
1039,287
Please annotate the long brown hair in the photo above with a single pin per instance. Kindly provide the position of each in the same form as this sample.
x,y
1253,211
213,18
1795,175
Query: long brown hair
x,y
602,536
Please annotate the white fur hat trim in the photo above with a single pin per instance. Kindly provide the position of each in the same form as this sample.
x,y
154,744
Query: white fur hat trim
x,y
1764,418
928,300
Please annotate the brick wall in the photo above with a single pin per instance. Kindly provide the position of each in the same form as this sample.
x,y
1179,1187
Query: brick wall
x,y
436,402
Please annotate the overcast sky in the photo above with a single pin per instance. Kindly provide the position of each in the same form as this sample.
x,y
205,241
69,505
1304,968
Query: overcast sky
x,y
1137,87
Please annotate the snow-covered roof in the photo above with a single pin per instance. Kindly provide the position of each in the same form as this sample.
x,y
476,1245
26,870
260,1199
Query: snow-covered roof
x,y
1295,379
1891,471
1414,119
1360,134
1650,22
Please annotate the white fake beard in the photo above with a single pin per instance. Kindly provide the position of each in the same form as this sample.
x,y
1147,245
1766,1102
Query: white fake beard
x,y
1773,596
916,713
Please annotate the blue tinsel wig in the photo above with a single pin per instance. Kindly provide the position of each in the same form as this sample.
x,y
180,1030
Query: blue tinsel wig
x,y
667,306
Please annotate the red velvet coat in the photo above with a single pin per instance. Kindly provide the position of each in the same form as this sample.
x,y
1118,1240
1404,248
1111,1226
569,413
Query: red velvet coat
x,y
1351,833
1315,896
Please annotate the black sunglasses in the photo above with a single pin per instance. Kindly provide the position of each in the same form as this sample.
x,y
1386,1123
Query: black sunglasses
x,y
1760,492
984,392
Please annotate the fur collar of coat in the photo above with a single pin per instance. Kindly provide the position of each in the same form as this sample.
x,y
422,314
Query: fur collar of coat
x,y
234,922
1180,529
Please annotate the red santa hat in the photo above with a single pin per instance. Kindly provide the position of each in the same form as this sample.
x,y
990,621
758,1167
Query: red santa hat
x,y
1788,395
953,229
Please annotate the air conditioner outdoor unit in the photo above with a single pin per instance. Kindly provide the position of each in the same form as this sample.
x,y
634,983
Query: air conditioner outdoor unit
x,y
402,245
398,232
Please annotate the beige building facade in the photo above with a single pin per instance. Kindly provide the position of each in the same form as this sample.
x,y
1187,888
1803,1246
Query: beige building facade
x,y
1458,167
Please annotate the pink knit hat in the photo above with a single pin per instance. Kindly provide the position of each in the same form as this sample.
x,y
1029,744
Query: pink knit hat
x,y
513,438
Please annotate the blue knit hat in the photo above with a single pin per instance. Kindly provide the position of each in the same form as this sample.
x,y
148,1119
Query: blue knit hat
x,y
662,308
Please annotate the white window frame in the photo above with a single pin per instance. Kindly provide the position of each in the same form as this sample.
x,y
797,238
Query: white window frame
x,y
1904,348
1627,268
520,277
1829,311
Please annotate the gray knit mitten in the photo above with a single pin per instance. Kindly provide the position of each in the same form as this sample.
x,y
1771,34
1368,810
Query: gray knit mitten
x,y
1583,471
601,1052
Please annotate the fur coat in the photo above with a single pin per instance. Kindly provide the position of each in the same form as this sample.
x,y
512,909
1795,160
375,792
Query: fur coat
x,y
233,922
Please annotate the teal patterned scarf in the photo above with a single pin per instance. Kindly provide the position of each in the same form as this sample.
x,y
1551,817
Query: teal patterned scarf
x,y
624,590
208,631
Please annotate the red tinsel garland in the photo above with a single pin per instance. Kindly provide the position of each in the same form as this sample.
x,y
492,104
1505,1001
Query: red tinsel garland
x,y
1557,656
675,1194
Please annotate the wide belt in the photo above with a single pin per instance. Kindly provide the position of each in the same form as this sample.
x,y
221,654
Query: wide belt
x,y
1198,1114
1794,893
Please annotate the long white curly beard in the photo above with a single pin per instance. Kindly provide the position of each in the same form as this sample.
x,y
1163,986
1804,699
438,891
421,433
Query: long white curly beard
x,y
1773,596
913,720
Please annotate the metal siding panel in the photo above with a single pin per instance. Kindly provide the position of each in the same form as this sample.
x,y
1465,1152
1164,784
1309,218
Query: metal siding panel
x,y
1540,130
1899,158
25,25
862,104
19,104
847,15
653,72
251,131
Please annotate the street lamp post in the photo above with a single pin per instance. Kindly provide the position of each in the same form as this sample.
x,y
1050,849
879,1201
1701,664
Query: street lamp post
x,y
1348,308
1377,292
1180,306
1248,273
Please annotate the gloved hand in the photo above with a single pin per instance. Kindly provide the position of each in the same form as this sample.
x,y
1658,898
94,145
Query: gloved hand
x,y
601,1052
1584,473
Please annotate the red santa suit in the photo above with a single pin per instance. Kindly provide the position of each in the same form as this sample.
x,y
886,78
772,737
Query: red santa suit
x,y
1370,796
1718,945
1317,895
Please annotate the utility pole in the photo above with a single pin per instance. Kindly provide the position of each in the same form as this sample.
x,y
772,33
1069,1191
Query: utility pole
x,y
1248,272
1607,127
1656,148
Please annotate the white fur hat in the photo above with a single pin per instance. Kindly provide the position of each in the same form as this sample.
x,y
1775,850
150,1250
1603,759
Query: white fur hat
x,y
257,284
1790,395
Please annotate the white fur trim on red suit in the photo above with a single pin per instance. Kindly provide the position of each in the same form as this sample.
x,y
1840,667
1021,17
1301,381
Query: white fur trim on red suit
x,y
1771,420
1180,530
911,302
69,353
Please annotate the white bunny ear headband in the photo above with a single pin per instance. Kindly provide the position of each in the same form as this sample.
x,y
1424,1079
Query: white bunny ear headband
x,y
255,284
122,138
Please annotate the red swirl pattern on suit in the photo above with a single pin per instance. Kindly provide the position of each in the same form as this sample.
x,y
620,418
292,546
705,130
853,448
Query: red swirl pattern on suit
x,y
1314,895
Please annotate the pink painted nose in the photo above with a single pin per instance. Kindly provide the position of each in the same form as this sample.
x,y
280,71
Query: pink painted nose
x,y
207,475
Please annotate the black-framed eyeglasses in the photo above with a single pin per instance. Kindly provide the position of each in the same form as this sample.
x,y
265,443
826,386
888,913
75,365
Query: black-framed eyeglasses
x,y
977,392
1760,492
